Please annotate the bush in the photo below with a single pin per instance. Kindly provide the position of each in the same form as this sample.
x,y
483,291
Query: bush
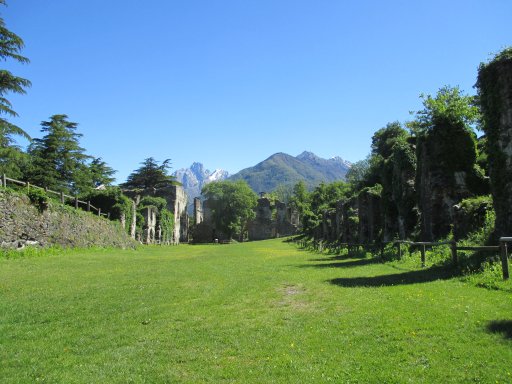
x,y
39,198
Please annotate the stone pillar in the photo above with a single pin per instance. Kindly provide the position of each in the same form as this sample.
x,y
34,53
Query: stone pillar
x,y
198,211
150,225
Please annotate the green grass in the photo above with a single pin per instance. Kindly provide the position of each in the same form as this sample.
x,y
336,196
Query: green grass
x,y
262,312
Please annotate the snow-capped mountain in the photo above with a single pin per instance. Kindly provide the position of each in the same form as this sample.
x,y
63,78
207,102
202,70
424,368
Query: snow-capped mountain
x,y
195,177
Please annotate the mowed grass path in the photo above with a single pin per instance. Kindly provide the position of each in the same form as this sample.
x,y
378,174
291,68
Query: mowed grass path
x,y
262,312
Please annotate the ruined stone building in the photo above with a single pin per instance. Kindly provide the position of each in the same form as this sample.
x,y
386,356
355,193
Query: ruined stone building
x,y
176,199
177,204
272,220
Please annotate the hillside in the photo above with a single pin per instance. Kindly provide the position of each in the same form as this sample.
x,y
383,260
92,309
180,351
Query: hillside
x,y
284,169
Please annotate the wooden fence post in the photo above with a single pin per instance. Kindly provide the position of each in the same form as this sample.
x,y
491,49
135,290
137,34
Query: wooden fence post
x,y
62,197
504,259
28,186
88,206
4,180
76,202
453,247
422,255
99,211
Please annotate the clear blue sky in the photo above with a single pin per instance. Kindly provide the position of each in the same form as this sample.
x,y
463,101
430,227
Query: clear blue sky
x,y
228,83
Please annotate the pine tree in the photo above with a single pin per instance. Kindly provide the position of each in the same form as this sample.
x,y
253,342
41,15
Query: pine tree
x,y
58,161
150,176
10,155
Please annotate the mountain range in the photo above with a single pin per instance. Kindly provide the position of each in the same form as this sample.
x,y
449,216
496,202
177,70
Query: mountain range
x,y
196,177
284,169
278,169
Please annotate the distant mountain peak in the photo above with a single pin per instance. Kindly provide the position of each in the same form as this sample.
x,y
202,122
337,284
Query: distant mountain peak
x,y
283,169
196,177
307,155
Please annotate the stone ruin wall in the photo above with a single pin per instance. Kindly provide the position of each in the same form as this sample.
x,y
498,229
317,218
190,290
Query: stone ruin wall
x,y
22,223
271,221
495,86
177,204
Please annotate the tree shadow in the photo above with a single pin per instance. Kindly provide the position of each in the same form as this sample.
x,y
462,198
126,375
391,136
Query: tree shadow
x,y
410,277
345,264
501,326
338,257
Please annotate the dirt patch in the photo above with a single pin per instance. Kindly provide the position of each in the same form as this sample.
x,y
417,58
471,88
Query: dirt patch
x,y
291,297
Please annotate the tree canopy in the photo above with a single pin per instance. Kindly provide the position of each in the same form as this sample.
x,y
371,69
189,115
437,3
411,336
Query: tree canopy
x,y
10,48
232,205
150,176
58,160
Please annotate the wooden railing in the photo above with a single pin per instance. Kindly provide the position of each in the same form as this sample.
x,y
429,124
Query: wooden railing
x,y
62,196
502,249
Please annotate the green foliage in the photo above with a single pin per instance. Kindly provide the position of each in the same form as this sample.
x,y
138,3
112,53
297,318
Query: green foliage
x,y
450,107
493,99
232,204
166,220
156,202
300,197
39,198
150,176
111,200
164,217
101,173
282,193
58,161
322,198
385,138
10,48
13,162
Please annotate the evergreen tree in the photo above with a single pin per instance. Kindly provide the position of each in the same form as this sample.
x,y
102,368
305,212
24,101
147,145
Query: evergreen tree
x,y
58,161
150,176
10,155
101,173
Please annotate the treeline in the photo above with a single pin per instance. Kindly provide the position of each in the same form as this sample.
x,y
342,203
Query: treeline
x,y
430,178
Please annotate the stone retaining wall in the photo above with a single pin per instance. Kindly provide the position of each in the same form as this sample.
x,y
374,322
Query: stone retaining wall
x,y
22,223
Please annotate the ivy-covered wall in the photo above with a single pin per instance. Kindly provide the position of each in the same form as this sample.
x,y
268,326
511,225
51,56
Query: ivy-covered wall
x,y
47,223
495,94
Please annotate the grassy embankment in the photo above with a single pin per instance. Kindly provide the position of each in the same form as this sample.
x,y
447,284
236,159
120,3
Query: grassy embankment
x,y
248,313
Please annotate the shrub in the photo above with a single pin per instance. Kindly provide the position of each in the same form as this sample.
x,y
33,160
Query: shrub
x,y
39,198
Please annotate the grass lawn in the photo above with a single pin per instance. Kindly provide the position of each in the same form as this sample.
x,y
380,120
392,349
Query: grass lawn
x,y
262,312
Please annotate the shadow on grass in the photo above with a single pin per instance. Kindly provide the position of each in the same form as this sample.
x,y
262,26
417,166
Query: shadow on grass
x,y
410,277
340,257
501,326
345,264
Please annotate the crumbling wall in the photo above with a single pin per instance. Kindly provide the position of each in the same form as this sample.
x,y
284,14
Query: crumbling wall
x,y
446,156
177,204
368,202
198,211
495,94
262,226
348,218
286,220
149,230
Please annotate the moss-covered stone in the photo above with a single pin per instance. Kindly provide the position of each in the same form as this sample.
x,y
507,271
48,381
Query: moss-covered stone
x,y
495,95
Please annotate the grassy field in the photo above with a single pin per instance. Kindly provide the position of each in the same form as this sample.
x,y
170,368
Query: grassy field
x,y
262,312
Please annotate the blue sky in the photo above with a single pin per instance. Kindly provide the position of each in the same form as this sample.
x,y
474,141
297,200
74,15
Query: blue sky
x,y
229,83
